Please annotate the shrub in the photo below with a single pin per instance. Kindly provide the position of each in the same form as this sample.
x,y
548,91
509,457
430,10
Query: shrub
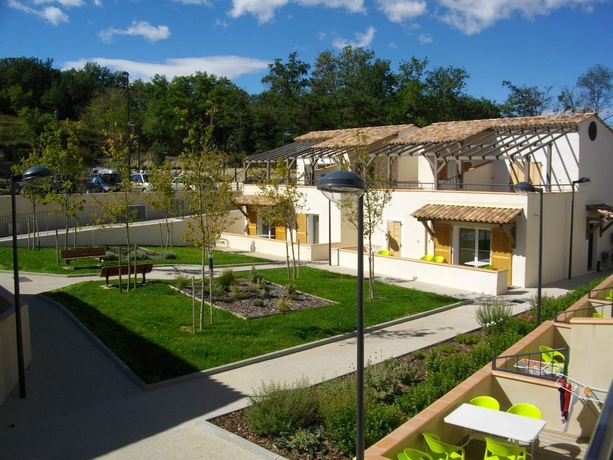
x,y
258,303
434,360
447,348
304,441
389,378
468,339
168,255
291,290
495,313
236,293
283,305
280,408
254,276
139,255
111,255
379,421
181,281
226,279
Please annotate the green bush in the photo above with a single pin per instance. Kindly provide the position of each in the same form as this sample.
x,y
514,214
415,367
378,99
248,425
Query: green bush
x,y
226,279
111,255
181,281
254,276
277,408
304,441
236,293
469,338
386,380
258,303
494,313
379,421
447,348
283,304
434,360
291,290
168,255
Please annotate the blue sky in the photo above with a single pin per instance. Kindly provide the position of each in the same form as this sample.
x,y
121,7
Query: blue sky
x,y
528,42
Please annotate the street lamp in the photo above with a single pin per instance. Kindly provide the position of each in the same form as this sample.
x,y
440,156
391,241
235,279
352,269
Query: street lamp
x,y
127,75
343,187
583,180
526,187
30,174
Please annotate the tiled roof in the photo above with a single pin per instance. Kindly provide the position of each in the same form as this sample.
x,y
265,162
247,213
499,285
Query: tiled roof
x,y
456,131
253,200
479,214
604,209
352,137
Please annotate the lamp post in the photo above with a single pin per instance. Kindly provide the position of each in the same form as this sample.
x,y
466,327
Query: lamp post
x,y
342,187
34,172
583,180
526,187
127,75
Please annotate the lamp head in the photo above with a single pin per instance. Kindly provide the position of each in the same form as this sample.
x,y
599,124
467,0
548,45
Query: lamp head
x,y
525,187
342,187
582,180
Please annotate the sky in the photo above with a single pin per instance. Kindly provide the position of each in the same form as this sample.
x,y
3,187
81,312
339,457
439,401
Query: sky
x,y
542,43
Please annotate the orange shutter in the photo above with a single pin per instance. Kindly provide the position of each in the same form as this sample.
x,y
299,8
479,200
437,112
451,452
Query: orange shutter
x,y
301,228
252,222
502,252
442,242
393,237
280,233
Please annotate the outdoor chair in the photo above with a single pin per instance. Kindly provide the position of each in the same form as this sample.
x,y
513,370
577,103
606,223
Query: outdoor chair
x,y
384,252
609,295
438,259
550,355
486,401
442,450
498,450
597,315
427,257
527,410
414,454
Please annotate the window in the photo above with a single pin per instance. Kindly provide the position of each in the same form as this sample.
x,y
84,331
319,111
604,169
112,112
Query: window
x,y
475,245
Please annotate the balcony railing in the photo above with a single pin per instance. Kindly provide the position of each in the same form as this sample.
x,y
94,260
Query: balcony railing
x,y
539,364
585,312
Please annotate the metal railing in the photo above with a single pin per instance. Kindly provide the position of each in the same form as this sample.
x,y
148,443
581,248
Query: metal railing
x,y
534,364
585,312
605,294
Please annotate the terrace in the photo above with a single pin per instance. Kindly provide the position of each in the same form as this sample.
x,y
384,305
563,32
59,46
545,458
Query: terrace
x,y
575,338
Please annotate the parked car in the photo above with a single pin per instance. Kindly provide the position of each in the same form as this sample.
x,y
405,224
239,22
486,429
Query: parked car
x,y
111,174
178,183
140,182
100,184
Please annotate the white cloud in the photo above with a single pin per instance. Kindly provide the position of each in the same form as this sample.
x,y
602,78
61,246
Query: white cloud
x,y
425,39
194,2
51,14
472,16
361,41
400,10
63,3
230,67
142,28
98,2
265,10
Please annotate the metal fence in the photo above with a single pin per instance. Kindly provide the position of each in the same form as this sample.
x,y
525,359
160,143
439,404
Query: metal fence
x,y
540,364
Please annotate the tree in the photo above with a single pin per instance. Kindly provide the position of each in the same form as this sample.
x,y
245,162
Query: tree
x,y
209,194
525,101
162,197
376,197
286,203
596,88
59,151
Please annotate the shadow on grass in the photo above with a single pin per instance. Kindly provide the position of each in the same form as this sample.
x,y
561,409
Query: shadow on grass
x,y
149,361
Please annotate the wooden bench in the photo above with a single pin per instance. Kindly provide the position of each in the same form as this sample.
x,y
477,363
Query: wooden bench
x,y
114,270
83,253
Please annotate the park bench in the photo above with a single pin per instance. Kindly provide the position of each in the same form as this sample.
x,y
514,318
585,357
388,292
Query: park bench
x,y
83,253
115,270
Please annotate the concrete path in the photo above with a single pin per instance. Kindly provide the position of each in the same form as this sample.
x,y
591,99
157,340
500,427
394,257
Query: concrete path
x,y
81,405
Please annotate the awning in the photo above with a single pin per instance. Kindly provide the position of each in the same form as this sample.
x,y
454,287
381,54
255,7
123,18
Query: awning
x,y
604,220
478,214
253,200
604,210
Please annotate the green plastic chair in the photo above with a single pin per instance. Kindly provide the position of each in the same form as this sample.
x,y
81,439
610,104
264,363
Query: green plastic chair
x,y
609,295
414,454
525,409
438,259
485,401
498,450
550,355
442,450
427,257
597,315
383,252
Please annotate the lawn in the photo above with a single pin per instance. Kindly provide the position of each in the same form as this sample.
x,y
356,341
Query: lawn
x,y
150,328
44,260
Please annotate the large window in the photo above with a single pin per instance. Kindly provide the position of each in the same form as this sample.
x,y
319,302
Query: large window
x,y
475,245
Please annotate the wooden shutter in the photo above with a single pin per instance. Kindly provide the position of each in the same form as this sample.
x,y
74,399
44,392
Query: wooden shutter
x,y
280,233
393,237
301,228
252,221
517,174
502,252
442,242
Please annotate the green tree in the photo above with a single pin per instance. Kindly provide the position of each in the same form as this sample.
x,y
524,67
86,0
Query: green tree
x,y
287,202
596,88
525,101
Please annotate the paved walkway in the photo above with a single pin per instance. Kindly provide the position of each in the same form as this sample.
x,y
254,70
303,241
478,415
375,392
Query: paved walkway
x,y
81,405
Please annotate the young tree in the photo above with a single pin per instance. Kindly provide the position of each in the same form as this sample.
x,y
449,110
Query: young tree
x,y
376,197
162,197
209,194
596,88
288,203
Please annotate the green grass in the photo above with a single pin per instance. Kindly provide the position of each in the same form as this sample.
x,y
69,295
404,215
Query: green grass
x,y
150,328
44,260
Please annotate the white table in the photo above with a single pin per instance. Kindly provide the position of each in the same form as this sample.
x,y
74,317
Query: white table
x,y
478,263
497,423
